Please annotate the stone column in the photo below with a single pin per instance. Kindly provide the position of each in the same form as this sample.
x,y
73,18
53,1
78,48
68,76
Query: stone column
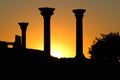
x,y
23,26
46,13
79,32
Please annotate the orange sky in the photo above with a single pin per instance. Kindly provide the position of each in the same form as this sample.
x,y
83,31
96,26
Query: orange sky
x,y
100,17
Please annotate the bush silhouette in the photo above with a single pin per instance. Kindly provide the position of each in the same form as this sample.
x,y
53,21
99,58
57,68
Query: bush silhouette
x,y
106,48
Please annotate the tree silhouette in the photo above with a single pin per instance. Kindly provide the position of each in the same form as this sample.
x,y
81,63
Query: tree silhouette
x,y
106,48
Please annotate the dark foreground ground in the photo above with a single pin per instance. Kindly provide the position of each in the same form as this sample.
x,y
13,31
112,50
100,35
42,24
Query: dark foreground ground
x,y
31,65
62,72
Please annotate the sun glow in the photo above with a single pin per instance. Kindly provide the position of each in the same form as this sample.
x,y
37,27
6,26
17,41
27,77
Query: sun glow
x,y
59,50
56,53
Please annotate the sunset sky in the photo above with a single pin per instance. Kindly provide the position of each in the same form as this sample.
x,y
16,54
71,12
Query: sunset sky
x,y
101,16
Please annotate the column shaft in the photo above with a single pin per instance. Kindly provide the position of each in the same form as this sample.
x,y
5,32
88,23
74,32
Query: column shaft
x,y
46,13
79,32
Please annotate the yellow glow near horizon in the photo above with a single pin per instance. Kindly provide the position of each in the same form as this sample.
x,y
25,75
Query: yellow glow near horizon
x,y
60,50
57,50
56,53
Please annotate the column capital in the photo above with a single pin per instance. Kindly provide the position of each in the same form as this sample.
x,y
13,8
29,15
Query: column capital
x,y
23,25
46,11
79,11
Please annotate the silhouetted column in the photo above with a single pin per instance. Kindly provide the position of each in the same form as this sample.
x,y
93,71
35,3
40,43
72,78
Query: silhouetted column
x,y
46,13
79,32
23,26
